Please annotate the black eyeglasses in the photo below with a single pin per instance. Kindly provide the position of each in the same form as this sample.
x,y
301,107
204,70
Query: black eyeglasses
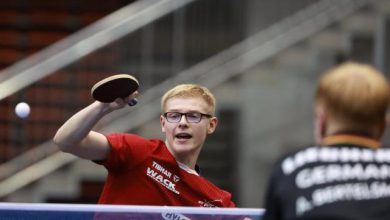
x,y
191,117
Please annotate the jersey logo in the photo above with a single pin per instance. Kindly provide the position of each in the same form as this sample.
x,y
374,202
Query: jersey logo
x,y
162,176
176,178
211,204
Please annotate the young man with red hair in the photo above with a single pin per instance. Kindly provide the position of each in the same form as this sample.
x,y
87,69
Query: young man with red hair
x,y
347,174
151,171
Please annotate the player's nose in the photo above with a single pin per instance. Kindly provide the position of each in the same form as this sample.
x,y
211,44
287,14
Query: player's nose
x,y
183,120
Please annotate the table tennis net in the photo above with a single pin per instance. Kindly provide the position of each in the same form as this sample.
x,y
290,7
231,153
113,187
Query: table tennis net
x,y
39,211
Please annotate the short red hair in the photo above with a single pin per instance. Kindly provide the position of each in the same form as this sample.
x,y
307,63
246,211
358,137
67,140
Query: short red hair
x,y
190,91
353,93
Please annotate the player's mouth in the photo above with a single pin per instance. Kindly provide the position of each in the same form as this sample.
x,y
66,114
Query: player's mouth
x,y
183,136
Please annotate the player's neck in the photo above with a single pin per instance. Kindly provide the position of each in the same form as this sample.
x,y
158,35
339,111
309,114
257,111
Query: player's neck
x,y
188,159
188,169
338,128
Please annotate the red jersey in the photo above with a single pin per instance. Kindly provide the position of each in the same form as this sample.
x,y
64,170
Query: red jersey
x,y
143,172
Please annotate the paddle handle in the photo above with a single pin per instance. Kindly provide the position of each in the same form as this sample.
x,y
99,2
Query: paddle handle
x,y
133,102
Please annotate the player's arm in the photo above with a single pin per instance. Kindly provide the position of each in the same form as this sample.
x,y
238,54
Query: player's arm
x,y
75,136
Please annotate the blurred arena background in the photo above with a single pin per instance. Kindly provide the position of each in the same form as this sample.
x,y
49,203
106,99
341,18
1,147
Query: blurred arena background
x,y
260,57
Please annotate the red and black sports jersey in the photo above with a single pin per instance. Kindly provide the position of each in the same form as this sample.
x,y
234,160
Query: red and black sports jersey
x,y
346,179
143,172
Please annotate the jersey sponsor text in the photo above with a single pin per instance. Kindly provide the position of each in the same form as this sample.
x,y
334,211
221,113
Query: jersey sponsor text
x,y
162,176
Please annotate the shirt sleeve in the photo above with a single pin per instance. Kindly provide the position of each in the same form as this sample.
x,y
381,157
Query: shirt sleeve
x,y
230,203
126,150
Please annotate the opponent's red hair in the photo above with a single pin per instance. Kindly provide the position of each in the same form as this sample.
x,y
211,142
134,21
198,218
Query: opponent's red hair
x,y
353,93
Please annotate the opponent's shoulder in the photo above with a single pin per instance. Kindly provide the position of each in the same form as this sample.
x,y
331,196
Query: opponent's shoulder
x,y
290,161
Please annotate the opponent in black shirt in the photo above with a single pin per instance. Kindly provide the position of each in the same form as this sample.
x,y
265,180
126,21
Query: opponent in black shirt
x,y
347,174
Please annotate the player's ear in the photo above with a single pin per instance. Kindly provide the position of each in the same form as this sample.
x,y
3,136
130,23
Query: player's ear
x,y
319,123
162,122
386,122
383,127
212,125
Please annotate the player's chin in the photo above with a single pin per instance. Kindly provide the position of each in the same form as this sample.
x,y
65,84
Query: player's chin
x,y
182,143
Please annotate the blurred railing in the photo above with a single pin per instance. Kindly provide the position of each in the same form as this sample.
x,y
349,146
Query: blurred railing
x,y
84,42
45,158
59,55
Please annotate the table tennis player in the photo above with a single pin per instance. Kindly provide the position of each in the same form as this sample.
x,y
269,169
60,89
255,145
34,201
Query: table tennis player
x,y
346,175
150,171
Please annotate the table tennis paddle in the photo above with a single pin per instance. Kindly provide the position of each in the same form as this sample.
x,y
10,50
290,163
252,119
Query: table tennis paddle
x,y
113,87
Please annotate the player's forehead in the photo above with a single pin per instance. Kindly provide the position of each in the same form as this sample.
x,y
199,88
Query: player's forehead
x,y
188,104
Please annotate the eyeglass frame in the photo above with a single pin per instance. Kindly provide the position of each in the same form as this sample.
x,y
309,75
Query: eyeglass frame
x,y
186,117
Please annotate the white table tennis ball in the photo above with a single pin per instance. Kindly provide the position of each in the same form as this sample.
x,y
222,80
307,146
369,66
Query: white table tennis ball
x,y
22,110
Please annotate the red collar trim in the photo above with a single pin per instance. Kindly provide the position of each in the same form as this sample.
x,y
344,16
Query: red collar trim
x,y
351,139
